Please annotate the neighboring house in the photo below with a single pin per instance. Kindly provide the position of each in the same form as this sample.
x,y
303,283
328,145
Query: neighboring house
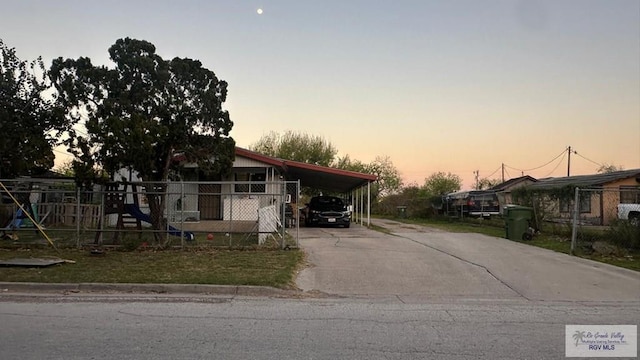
x,y
598,204
504,189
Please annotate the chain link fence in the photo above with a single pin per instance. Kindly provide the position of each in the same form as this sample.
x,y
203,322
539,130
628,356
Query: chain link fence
x,y
138,214
604,220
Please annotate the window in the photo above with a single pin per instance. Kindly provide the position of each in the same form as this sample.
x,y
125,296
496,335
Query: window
x,y
629,195
585,202
566,206
250,182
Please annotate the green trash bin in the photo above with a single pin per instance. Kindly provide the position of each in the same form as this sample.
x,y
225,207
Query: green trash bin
x,y
517,220
402,212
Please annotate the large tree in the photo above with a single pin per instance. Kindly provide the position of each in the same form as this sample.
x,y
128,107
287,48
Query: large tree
x,y
143,112
296,146
388,177
388,181
29,119
440,183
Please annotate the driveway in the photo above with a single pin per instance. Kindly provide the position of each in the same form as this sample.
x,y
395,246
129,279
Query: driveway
x,y
413,263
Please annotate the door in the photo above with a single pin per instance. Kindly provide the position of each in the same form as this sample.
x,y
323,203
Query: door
x,y
209,201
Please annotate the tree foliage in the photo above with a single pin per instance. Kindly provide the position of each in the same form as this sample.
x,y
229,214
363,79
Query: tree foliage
x,y
142,113
388,177
485,184
441,183
145,110
296,146
347,163
609,168
30,121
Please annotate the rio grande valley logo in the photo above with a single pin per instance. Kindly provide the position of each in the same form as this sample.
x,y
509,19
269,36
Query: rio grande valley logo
x,y
601,340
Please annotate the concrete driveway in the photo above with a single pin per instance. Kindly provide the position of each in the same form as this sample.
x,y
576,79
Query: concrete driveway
x,y
413,263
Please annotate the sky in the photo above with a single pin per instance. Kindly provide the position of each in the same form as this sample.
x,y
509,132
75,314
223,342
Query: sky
x,y
459,86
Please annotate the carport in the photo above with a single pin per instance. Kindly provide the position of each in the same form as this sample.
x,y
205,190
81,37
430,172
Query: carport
x,y
354,184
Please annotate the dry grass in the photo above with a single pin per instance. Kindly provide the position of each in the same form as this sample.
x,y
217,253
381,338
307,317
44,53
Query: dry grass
x,y
222,267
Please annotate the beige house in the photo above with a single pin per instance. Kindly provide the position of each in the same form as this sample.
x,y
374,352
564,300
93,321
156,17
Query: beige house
x,y
600,195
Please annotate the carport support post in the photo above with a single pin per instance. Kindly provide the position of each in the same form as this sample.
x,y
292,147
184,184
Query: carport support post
x,y
358,206
574,230
362,203
354,206
368,203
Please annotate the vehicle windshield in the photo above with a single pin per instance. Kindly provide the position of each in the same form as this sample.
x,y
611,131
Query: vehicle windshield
x,y
327,204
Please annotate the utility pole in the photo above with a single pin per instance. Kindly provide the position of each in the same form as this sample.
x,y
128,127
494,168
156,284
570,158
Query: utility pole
x,y
477,174
569,162
502,172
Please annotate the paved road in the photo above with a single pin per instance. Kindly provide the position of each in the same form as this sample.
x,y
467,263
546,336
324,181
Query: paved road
x,y
137,327
417,264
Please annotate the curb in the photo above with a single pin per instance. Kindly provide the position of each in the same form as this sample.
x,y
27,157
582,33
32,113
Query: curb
x,y
200,289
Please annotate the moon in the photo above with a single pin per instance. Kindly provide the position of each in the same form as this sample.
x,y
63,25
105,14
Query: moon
x,y
259,11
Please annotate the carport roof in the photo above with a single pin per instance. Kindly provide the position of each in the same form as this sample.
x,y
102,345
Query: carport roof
x,y
311,175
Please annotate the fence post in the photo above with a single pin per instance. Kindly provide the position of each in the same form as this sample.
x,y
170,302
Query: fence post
x,y
78,217
231,192
283,220
574,230
181,213
297,213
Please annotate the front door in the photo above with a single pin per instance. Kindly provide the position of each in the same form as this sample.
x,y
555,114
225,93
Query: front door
x,y
209,201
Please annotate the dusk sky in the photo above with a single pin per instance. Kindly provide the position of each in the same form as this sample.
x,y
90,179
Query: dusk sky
x,y
454,86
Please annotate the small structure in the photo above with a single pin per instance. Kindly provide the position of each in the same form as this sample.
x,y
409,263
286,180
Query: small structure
x,y
503,190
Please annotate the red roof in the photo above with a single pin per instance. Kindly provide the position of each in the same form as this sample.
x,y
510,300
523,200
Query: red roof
x,y
311,175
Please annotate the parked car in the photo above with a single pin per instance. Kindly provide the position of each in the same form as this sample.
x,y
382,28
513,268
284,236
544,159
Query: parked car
x,y
327,210
629,212
474,203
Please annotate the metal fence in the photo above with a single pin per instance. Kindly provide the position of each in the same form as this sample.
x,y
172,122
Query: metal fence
x,y
138,214
604,220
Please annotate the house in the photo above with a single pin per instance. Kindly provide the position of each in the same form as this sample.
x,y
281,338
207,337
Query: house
x,y
503,190
600,198
256,182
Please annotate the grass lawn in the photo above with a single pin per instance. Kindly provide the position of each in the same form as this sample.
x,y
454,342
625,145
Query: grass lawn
x,y
274,268
629,260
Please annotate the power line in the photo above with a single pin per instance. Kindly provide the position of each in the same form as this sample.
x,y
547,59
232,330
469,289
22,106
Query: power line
x,y
575,152
557,165
541,166
488,176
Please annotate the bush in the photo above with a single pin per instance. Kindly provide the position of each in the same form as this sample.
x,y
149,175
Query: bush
x,y
624,234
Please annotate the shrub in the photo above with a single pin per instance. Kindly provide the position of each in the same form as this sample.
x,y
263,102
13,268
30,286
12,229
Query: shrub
x,y
624,234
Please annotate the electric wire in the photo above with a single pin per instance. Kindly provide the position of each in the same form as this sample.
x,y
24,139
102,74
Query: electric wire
x,y
575,152
541,166
556,167
495,171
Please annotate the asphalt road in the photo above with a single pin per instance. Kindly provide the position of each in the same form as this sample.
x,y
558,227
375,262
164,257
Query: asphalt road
x,y
418,264
414,294
150,327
